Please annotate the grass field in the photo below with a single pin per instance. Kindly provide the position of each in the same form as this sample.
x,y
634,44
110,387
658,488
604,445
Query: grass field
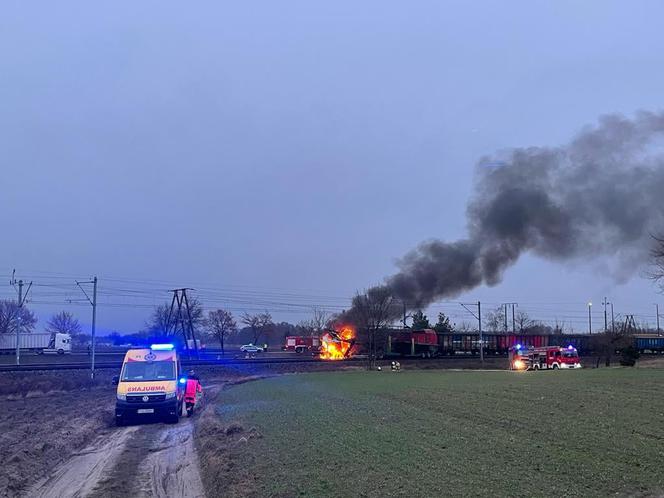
x,y
434,433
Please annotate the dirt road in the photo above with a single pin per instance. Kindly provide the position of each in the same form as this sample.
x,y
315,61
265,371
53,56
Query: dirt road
x,y
58,438
151,460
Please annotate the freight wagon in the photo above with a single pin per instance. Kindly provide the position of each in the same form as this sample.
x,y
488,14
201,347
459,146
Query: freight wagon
x,y
649,343
39,343
420,343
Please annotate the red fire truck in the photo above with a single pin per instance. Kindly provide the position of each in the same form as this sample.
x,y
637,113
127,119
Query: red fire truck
x,y
300,344
546,358
553,357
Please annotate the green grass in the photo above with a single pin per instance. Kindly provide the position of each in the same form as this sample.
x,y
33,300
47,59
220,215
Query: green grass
x,y
434,433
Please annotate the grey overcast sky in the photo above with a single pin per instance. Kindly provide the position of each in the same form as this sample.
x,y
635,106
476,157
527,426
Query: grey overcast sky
x,y
284,154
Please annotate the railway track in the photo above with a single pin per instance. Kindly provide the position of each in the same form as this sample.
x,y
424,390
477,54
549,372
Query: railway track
x,y
185,363
221,362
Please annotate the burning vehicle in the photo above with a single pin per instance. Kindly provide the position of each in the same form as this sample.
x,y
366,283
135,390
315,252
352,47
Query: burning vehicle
x,y
337,345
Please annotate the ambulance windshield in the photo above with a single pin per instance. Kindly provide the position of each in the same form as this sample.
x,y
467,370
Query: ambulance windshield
x,y
140,371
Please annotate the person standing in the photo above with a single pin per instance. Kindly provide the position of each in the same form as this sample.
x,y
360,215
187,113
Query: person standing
x,y
193,392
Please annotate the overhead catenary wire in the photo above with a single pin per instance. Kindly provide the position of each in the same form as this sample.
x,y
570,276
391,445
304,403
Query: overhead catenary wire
x,y
59,289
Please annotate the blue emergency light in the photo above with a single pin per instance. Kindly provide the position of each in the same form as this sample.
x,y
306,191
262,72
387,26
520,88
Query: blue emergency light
x,y
162,347
518,346
571,348
183,380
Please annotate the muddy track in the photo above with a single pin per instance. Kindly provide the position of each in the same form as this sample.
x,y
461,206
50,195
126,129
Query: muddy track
x,y
151,460
79,475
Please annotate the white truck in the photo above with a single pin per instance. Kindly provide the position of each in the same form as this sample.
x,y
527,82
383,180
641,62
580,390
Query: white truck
x,y
39,343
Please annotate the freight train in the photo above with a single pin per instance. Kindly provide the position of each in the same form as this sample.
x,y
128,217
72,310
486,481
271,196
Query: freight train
x,y
428,343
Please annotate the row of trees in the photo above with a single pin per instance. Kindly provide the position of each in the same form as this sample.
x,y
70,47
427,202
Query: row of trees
x,y
421,321
222,326
14,317
219,324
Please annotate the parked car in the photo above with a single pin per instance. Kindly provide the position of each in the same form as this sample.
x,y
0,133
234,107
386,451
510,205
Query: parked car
x,y
251,348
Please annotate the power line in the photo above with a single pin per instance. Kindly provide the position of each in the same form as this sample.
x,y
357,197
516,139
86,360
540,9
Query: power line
x,y
93,302
21,302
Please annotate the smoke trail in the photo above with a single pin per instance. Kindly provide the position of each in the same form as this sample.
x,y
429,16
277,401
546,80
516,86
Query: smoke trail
x,y
599,195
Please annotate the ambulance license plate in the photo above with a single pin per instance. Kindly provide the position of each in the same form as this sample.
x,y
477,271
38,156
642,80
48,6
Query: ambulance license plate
x,y
146,410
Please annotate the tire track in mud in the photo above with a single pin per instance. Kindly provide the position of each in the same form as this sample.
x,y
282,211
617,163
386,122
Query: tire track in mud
x,y
155,460
171,469
78,476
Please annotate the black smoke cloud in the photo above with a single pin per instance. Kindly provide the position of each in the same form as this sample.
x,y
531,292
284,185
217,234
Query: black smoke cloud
x,y
599,195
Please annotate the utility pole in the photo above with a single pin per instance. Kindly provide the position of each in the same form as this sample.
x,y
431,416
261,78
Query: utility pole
x,y
512,305
18,326
21,301
590,318
606,326
405,316
659,331
186,323
93,302
629,325
613,320
478,316
479,320
513,319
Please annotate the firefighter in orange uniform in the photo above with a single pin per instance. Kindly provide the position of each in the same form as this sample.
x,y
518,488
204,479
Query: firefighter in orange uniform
x,y
193,392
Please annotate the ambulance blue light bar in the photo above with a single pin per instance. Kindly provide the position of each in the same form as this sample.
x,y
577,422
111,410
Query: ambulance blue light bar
x,y
162,347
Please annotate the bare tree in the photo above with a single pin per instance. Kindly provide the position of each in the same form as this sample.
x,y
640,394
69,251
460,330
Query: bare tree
x,y
320,320
13,316
466,327
657,261
221,324
63,323
373,311
523,321
258,323
158,324
494,320
559,327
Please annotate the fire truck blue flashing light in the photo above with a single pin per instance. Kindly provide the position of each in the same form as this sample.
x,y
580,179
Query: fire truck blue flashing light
x,y
571,348
162,347
518,346
183,380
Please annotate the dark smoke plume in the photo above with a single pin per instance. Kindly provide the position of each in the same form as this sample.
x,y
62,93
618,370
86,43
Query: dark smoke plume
x,y
599,195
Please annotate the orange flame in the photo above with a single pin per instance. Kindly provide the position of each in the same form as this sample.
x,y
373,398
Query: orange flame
x,y
336,345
